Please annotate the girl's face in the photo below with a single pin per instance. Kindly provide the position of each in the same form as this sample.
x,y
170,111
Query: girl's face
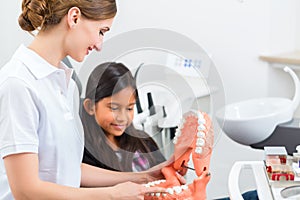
x,y
86,35
115,113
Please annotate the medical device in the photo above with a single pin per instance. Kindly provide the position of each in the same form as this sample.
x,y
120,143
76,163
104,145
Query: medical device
x,y
263,121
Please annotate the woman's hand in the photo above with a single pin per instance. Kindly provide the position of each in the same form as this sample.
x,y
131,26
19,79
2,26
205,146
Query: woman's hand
x,y
133,191
155,173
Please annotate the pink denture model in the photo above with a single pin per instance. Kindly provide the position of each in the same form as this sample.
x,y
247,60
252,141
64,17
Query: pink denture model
x,y
193,136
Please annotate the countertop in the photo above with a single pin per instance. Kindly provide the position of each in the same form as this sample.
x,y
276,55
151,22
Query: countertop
x,y
292,58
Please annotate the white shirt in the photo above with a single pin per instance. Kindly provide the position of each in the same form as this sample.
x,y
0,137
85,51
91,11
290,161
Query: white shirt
x,y
37,115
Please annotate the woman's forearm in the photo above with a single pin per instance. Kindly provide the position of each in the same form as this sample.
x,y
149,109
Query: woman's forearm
x,y
47,190
22,172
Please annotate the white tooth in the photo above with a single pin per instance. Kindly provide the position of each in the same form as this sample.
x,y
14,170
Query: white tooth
x,y
157,194
201,127
201,121
175,141
198,150
184,187
178,133
170,191
200,115
146,185
164,194
182,121
177,189
151,183
161,181
152,194
200,142
201,134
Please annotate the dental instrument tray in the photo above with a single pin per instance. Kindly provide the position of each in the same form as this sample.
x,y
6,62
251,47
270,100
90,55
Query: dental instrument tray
x,y
279,168
281,175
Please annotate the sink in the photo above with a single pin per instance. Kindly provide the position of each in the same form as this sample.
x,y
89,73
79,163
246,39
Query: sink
x,y
252,121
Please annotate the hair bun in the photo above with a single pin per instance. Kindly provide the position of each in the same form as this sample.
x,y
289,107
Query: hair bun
x,y
32,15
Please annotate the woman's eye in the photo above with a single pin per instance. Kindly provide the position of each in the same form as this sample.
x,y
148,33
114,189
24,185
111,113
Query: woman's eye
x,y
103,31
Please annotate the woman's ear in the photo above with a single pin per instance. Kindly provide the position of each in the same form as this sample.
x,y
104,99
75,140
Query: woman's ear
x,y
73,16
89,106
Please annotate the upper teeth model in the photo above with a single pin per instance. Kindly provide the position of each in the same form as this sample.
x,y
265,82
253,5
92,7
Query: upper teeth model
x,y
193,136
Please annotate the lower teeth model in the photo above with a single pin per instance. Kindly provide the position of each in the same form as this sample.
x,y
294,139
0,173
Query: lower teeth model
x,y
193,136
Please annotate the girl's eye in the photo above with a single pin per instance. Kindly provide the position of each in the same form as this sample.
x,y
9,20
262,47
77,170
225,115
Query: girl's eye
x,y
129,109
114,108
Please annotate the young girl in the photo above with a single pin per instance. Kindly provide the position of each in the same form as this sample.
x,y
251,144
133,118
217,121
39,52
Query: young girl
x,y
111,141
41,141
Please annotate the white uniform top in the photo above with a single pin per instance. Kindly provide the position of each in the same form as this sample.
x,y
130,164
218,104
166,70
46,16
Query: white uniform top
x,y
37,115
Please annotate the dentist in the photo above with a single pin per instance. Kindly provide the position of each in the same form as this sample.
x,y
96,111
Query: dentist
x,y
41,141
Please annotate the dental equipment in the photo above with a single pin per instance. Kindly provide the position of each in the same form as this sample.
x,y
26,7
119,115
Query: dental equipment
x,y
194,137
147,120
253,122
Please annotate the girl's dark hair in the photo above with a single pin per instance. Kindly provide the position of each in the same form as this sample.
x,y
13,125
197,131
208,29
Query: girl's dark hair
x,y
106,80
42,14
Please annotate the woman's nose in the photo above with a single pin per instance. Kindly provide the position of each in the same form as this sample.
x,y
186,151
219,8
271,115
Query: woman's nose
x,y
98,45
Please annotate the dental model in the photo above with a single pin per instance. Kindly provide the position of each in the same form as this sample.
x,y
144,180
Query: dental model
x,y
193,136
